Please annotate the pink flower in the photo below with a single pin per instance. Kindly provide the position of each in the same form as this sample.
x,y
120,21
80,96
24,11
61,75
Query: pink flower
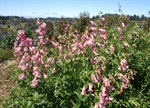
x,y
123,25
90,88
101,45
33,49
123,65
60,54
106,82
65,56
102,20
45,76
42,33
43,26
94,79
102,31
103,91
98,71
97,105
89,42
21,34
112,49
51,60
126,44
21,76
101,99
119,30
84,37
95,53
83,93
93,24
35,69
34,83
47,66
17,49
38,22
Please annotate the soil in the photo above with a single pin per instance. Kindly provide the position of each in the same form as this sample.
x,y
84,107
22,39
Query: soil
x,y
5,83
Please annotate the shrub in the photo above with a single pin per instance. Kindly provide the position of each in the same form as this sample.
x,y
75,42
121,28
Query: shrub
x,y
93,69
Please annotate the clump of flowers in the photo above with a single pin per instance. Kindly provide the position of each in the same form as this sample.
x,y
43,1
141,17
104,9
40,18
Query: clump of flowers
x,y
30,54
94,46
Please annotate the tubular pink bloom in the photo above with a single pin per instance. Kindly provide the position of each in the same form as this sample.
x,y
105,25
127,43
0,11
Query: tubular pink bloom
x,y
119,75
33,49
93,24
84,37
126,44
103,91
89,42
28,58
95,53
123,65
93,32
21,34
125,82
124,85
21,76
38,22
36,74
94,79
42,33
45,76
60,54
25,49
93,29
106,82
83,93
101,99
51,60
43,26
102,20
28,65
54,70
23,67
97,105
123,25
101,45
34,83
112,49
65,56
18,49
80,45
38,31
102,31
120,38
90,88
35,69
104,60
119,30
42,52
93,60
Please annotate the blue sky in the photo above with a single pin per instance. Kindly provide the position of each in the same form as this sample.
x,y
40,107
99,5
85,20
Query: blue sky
x,y
71,8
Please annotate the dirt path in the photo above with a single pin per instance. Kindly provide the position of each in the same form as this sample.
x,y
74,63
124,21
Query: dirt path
x,y
6,69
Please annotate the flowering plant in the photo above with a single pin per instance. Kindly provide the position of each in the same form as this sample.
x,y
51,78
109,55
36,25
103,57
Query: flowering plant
x,y
87,70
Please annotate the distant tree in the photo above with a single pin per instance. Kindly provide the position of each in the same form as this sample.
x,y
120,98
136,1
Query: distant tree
x,y
82,22
49,29
143,17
